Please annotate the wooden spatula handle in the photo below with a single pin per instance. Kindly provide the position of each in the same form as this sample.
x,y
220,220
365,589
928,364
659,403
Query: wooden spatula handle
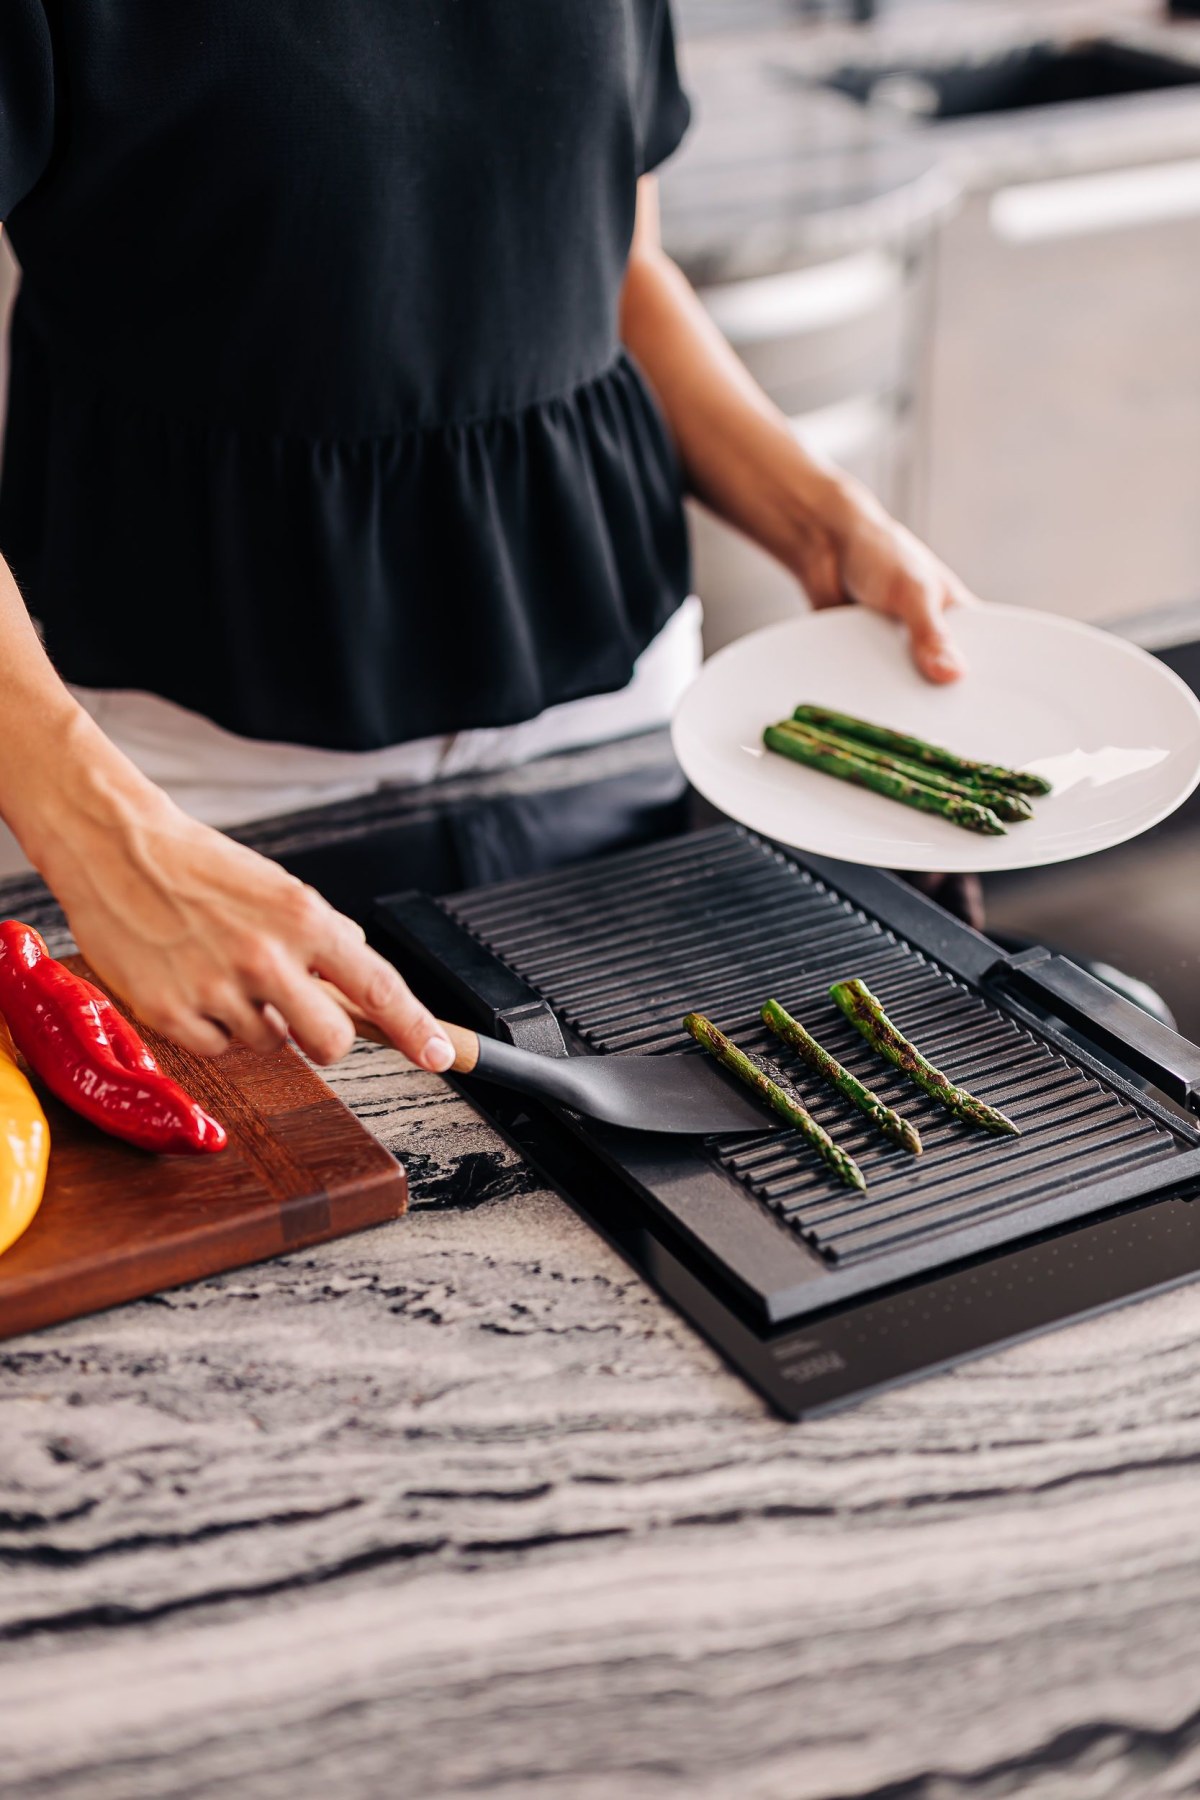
x,y
466,1043
466,1046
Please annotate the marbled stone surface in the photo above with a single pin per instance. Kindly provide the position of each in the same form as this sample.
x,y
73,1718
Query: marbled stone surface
x,y
459,1507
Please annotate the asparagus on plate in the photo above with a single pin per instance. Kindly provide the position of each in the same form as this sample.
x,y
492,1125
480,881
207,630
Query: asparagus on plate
x,y
914,749
792,1032
774,1088
865,1013
788,739
1006,803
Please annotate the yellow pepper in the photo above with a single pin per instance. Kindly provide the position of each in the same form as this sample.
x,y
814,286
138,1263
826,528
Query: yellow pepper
x,y
24,1146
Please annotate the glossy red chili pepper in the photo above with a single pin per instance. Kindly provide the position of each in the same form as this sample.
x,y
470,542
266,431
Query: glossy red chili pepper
x,y
90,1056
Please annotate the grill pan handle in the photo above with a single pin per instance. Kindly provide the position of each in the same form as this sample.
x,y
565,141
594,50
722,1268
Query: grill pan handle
x,y
1136,1039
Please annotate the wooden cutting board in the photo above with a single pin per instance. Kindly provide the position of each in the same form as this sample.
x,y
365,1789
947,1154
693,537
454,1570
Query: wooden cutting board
x,y
118,1223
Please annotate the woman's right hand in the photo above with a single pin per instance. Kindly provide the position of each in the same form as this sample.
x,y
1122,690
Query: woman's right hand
x,y
203,938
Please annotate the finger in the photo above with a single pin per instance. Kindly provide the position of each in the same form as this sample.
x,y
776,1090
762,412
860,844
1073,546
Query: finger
x,y
276,1021
930,641
365,1028
320,1027
258,1027
821,579
350,926
372,985
203,1037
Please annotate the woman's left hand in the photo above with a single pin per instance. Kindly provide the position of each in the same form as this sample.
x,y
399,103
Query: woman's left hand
x,y
853,550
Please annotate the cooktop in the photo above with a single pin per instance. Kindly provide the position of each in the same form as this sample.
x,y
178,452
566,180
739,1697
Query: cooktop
x,y
814,1303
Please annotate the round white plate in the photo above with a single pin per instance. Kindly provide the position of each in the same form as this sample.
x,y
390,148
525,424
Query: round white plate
x,y
1115,731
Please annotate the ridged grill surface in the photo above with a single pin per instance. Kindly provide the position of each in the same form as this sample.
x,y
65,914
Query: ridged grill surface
x,y
718,923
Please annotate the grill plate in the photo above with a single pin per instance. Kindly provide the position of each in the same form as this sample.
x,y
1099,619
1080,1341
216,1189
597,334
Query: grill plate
x,y
621,952
752,1237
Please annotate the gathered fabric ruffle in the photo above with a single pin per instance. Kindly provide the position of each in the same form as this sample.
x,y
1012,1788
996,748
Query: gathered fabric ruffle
x,y
344,594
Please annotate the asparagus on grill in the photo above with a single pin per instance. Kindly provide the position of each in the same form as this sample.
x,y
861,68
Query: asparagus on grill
x,y
792,1032
865,1013
772,1086
1004,802
916,750
819,753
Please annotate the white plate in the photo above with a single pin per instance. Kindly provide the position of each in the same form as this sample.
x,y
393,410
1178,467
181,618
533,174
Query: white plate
x,y
1115,731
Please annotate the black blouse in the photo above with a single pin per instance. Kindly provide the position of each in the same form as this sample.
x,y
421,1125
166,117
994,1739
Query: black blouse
x,y
319,421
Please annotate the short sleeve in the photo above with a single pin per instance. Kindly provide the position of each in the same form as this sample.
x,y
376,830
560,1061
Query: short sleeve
x,y
665,109
26,99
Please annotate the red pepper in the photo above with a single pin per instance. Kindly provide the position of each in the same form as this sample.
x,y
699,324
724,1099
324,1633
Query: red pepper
x,y
89,1054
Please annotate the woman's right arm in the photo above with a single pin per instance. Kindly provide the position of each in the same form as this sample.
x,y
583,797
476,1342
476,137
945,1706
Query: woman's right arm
x,y
205,939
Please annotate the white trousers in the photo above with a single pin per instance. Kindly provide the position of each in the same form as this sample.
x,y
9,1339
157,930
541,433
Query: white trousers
x,y
228,780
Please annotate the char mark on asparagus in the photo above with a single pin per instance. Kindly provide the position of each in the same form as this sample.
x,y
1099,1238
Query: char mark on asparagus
x,y
805,1045
773,1087
855,999
786,739
1006,803
917,750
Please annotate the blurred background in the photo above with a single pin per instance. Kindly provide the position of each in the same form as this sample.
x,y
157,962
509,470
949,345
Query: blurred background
x,y
959,242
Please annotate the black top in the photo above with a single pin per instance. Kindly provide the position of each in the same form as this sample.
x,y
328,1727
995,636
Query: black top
x,y
319,421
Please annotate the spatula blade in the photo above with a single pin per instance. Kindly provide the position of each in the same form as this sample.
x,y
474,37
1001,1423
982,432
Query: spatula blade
x,y
685,1094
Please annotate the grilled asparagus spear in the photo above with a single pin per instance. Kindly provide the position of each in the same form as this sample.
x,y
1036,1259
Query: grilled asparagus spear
x,y
864,1012
820,753
792,1032
916,750
772,1086
1006,803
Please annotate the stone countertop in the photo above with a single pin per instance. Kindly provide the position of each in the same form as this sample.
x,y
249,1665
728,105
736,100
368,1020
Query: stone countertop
x,y
779,171
459,1506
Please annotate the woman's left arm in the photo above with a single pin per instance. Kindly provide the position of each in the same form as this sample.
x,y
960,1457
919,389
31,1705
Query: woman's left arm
x,y
742,459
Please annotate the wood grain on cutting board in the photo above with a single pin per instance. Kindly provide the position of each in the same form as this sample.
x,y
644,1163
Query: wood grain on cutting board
x,y
118,1223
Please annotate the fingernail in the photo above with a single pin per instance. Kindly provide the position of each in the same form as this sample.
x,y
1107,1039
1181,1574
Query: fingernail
x,y
438,1054
947,662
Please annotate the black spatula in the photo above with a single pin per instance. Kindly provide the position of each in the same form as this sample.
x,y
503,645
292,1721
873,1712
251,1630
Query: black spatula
x,y
646,1093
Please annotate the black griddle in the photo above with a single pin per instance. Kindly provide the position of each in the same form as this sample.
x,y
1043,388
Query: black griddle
x,y
818,1294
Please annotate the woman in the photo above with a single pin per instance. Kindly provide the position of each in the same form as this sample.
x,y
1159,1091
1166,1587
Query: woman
x,y
352,399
